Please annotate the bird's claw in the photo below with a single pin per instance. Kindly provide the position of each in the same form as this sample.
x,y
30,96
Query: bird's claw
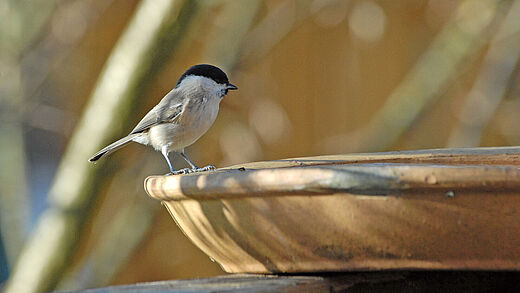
x,y
180,172
194,170
204,169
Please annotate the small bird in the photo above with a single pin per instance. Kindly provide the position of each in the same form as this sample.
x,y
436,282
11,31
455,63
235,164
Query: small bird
x,y
181,117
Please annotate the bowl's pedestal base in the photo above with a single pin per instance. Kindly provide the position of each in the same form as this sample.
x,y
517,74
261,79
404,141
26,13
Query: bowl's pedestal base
x,y
390,281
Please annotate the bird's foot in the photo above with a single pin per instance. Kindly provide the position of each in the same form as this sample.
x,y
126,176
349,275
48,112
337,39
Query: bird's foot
x,y
183,171
180,172
204,169
194,170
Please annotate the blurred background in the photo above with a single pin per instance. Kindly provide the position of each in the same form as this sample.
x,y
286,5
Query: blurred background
x,y
315,76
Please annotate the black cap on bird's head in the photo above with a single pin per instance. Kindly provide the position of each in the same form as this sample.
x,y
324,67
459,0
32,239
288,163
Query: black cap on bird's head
x,y
209,71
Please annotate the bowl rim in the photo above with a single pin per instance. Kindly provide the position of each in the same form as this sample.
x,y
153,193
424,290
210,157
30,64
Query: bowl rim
x,y
447,171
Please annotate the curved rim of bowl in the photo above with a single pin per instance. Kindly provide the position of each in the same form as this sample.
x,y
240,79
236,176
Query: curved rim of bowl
x,y
354,179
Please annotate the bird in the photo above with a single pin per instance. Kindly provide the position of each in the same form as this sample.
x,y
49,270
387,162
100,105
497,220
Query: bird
x,y
181,117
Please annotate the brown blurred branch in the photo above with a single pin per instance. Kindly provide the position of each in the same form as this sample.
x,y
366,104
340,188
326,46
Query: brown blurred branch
x,y
491,84
227,37
464,34
45,53
277,24
153,33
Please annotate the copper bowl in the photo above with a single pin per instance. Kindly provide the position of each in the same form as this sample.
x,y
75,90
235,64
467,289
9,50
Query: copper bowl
x,y
428,209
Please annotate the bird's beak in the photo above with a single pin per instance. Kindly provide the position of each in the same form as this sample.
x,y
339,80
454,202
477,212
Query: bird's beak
x,y
231,87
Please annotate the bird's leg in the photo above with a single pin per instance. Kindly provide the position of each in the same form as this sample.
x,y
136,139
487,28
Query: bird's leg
x,y
190,162
194,167
165,153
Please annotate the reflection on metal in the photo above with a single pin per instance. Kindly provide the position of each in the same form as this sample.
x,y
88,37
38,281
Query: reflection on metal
x,y
431,209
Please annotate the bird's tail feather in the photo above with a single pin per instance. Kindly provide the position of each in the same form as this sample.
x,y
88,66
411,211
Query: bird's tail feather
x,y
113,146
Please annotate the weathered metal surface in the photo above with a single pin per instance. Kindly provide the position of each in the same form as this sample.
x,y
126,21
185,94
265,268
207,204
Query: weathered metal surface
x,y
432,209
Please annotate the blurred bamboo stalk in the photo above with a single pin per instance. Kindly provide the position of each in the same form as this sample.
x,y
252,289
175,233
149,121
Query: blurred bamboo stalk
x,y
491,84
153,33
464,34
133,220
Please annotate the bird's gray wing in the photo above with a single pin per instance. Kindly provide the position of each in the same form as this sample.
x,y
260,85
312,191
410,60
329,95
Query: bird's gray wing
x,y
168,109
